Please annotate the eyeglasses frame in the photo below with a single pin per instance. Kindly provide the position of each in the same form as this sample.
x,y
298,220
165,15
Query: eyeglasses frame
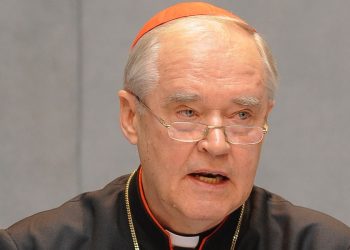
x,y
265,128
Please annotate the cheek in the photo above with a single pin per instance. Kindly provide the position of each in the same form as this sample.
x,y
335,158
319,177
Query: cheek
x,y
161,155
246,160
164,167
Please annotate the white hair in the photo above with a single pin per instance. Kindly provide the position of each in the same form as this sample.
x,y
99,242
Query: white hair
x,y
141,71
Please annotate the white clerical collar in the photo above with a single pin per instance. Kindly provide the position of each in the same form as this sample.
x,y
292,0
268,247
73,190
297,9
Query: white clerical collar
x,y
184,241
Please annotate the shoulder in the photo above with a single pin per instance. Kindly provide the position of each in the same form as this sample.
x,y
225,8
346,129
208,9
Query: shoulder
x,y
74,221
296,224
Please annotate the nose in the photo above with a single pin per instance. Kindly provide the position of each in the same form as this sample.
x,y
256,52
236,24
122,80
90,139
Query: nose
x,y
215,142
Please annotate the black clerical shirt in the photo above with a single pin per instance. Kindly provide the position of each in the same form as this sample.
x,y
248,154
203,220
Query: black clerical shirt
x,y
98,220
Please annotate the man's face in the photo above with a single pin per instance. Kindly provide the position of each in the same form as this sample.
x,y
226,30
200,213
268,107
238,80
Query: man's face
x,y
191,187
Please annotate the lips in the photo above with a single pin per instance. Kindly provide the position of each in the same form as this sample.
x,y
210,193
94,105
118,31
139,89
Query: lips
x,y
209,178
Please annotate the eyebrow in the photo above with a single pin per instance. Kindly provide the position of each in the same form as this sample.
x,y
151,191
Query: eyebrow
x,y
247,101
179,97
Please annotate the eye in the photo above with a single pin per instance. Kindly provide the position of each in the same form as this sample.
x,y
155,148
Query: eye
x,y
243,115
186,112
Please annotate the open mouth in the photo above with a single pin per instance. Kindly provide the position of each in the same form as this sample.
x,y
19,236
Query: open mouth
x,y
209,178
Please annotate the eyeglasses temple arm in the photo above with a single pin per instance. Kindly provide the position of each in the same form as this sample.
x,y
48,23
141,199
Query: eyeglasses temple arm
x,y
158,118
265,128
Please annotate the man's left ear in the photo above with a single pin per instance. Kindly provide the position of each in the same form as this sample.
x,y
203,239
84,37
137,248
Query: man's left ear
x,y
271,104
128,115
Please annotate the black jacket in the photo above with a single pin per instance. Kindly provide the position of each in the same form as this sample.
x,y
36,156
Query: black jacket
x,y
98,220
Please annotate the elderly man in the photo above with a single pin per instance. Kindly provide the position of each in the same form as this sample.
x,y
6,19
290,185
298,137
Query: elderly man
x,y
199,87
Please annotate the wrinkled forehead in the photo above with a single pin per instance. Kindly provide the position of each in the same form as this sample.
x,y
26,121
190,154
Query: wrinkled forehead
x,y
216,56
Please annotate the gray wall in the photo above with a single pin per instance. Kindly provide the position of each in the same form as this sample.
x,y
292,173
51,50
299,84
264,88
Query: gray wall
x,y
61,65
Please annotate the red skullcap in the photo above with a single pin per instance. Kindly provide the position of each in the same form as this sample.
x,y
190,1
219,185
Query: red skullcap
x,y
182,10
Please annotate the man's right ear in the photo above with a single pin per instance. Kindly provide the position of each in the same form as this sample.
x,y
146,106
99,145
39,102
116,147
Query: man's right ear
x,y
128,115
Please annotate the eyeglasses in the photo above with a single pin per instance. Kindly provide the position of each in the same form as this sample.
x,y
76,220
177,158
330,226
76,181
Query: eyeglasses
x,y
196,131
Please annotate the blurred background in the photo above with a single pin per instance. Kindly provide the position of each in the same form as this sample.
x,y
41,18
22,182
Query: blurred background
x,y
61,66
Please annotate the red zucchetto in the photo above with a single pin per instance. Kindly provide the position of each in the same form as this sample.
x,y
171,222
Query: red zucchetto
x,y
182,10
